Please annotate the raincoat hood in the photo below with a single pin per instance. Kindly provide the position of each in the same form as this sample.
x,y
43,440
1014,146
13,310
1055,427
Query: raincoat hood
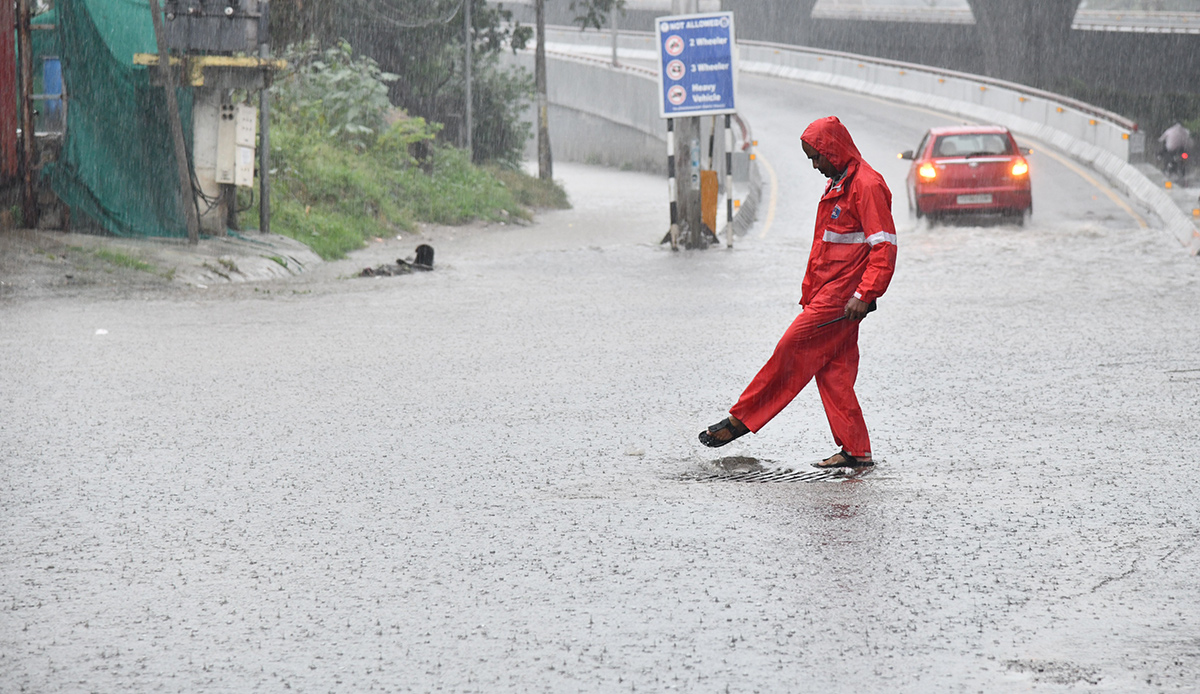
x,y
854,239
829,137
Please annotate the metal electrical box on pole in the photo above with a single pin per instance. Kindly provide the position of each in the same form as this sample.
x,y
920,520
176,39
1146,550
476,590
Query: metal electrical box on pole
x,y
236,134
206,36
697,77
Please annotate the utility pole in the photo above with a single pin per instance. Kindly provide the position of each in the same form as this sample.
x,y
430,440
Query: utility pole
x,y
687,138
185,176
615,35
545,161
29,207
687,153
470,105
264,117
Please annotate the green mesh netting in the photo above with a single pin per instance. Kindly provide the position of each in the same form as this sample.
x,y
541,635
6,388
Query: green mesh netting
x,y
117,164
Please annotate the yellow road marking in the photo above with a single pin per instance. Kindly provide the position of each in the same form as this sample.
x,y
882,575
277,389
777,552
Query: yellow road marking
x,y
773,182
1112,195
1043,149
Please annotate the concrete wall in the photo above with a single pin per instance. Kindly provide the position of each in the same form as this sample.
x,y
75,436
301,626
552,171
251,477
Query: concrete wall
x,y
600,114
1031,112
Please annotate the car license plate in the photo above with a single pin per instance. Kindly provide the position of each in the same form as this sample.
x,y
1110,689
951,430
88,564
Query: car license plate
x,y
981,199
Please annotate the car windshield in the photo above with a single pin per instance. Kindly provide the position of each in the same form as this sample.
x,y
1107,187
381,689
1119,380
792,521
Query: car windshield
x,y
972,144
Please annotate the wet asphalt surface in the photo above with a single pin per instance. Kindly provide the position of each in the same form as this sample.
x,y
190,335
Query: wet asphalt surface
x,y
484,478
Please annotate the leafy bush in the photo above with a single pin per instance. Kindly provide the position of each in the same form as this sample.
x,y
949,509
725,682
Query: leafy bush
x,y
532,191
333,91
333,196
408,140
498,98
350,167
423,42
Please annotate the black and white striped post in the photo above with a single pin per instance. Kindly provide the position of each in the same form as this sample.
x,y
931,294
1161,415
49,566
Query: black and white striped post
x,y
671,192
728,181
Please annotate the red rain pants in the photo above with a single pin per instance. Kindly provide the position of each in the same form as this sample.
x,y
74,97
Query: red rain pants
x,y
830,354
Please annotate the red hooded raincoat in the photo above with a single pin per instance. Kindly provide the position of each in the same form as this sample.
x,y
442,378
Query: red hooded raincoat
x,y
853,255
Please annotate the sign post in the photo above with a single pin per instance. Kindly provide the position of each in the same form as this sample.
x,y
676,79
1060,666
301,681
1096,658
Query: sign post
x,y
697,77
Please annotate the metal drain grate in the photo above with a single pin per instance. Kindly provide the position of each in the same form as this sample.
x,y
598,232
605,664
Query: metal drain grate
x,y
783,475
741,468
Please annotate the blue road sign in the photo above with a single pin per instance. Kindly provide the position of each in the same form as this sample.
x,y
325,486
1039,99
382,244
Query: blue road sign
x,y
697,64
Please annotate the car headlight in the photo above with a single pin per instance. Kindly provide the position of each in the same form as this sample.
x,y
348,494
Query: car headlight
x,y
1020,168
927,171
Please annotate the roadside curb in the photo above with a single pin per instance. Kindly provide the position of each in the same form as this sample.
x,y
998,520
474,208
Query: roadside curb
x,y
246,257
747,212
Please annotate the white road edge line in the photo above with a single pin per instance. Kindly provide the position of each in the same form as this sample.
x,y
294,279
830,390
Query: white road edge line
x,y
773,182
1112,194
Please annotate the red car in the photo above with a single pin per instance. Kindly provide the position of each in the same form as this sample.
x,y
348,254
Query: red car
x,y
968,170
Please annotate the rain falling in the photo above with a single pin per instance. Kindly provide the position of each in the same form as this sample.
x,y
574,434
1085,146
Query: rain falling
x,y
389,345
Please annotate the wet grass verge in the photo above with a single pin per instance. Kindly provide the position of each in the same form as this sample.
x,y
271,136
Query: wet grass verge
x,y
123,260
531,191
334,198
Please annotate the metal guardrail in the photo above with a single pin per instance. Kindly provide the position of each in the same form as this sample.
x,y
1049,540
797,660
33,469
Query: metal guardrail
x,y
1152,22
602,62
1138,22
1065,101
928,15
602,40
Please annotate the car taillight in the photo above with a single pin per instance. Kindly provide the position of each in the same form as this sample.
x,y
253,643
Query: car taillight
x,y
1020,168
927,171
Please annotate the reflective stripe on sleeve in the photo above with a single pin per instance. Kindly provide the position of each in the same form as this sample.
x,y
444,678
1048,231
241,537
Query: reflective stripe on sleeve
x,y
880,237
852,237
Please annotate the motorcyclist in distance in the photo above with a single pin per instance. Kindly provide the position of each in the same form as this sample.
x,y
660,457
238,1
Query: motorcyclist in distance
x,y
1176,141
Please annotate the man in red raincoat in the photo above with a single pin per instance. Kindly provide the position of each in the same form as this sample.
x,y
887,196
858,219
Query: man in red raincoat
x,y
850,265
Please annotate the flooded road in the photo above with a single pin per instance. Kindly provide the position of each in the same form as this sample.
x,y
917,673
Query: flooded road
x,y
484,478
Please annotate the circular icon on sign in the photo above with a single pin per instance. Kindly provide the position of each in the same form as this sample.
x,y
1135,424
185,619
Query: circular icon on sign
x,y
677,95
676,69
673,44
724,22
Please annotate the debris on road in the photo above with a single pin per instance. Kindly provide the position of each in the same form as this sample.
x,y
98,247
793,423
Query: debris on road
x,y
423,261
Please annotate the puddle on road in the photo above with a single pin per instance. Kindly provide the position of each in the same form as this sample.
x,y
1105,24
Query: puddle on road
x,y
1055,672
740,468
